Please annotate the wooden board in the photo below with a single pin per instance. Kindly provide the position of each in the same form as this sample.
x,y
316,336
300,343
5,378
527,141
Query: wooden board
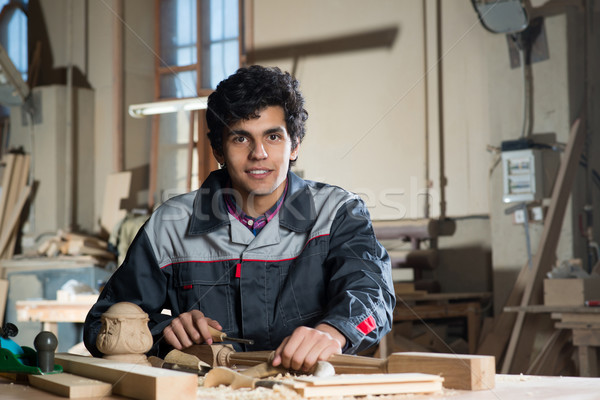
x,y
117,188
20,184
12,219
71,386
361,385
9,161
132,380
460,371
3,297
570,292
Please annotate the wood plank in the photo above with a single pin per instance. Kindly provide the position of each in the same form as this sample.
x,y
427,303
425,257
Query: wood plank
x,y
7,174
545,257
587,317
460,371
117,187
71,386
588,361
3,297
495,341
361,385
578,325
586,337
540,308
13,218
419,297
434,311
52,310
547,358
21,182
368,389
132,380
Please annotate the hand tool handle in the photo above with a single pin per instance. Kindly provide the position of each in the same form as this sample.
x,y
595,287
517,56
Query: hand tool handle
x,y
217,336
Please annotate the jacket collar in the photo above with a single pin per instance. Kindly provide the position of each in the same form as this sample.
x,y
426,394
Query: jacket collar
x,y
298,212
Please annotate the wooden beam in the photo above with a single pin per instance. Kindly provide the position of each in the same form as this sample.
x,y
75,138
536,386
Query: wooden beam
x,y
71,386
22,176
7,174
460,371
495,341
13,218
132,380
546,255
3,297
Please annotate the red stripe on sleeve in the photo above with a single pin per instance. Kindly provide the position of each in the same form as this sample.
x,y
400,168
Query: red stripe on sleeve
x,y
367,325
238,270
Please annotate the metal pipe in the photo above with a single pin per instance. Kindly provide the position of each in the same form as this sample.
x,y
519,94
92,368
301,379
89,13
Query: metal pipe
x,y
440,68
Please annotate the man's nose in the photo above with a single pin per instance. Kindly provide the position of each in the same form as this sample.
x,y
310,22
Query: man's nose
x,y
259,152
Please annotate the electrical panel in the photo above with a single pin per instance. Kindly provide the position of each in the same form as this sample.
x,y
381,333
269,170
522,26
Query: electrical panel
x,y
523,178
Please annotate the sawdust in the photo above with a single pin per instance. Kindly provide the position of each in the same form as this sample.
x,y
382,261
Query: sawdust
x,y
279,392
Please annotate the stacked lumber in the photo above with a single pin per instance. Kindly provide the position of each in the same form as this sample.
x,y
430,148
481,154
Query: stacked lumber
x,y
73,244
13,197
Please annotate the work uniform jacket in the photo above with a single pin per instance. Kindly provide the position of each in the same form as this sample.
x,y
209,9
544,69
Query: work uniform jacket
x,y
317,261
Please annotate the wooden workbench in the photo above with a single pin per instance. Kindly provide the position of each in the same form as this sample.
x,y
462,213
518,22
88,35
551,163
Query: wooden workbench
x,y
583,323
51,312
420,307
507,387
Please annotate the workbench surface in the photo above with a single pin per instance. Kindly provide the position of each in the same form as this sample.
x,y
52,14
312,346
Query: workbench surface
x,y
508,387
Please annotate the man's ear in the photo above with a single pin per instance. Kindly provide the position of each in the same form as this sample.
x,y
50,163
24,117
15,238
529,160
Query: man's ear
x,y
218,156
294,153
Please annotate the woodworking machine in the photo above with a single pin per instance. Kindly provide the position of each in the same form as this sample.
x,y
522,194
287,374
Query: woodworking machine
x,y
25,360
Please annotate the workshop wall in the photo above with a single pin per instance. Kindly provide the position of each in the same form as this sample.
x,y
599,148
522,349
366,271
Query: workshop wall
x,y
90,25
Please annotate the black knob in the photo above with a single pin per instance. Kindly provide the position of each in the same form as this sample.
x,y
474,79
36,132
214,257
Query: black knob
x,y
9,330
45,344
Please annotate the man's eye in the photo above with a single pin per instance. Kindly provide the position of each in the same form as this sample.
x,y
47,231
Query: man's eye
x,y
274,137
239,139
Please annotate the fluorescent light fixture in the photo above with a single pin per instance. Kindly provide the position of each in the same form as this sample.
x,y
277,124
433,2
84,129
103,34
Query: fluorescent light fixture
x,y
167,106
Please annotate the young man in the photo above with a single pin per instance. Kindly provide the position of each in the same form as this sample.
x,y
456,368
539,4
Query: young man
x,y
258,252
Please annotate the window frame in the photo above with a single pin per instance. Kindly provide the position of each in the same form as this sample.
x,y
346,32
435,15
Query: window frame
x,y
198,140
244,6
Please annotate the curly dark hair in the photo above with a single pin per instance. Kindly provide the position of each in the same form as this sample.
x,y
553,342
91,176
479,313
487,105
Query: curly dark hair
x,y
244,94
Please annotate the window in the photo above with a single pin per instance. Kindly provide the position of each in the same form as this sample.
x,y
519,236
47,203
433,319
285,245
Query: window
x,y
199,45
200,42
13,37
13,32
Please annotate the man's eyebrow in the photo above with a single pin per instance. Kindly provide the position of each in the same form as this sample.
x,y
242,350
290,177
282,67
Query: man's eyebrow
x,y
238,132
242,132
277,129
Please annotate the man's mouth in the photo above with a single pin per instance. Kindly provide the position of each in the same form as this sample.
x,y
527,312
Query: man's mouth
x,y
258,171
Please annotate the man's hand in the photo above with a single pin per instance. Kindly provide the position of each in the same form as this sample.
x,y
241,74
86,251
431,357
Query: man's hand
x,y
190,328
305,346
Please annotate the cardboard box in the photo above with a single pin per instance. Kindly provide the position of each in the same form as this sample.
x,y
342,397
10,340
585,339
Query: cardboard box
x,y
570,292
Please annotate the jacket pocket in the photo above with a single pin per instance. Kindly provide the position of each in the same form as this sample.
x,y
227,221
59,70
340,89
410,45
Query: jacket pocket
x,y
206,287
303,287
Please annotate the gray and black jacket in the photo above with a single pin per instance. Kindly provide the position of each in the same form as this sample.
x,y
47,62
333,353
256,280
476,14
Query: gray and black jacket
x,y
317,261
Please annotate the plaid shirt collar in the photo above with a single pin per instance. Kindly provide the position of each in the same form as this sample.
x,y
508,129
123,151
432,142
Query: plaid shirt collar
x,y
254,224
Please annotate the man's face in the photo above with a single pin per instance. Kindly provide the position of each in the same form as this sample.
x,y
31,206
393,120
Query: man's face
x,y
257,153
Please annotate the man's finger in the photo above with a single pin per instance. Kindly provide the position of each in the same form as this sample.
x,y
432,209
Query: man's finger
x,y
202,326
171,338
277,358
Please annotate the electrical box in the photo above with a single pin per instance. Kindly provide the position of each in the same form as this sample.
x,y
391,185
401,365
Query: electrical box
x,y
523,178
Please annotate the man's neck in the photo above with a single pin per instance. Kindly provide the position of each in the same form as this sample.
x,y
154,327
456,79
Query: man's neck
x,y
257,205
